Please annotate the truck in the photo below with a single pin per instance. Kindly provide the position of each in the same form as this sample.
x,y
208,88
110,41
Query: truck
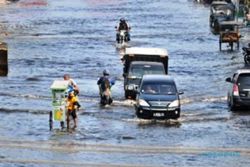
x,y
138,61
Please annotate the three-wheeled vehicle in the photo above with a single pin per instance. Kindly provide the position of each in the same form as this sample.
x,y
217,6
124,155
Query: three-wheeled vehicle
x,y
229,35
59,90
220,11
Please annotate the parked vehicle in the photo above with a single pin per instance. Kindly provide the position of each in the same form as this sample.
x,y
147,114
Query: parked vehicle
x,y
140,61
220,11
158,98
246,54
239,91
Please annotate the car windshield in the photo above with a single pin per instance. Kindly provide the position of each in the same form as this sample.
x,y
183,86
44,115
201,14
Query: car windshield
x,y
138,70
221,9
158,88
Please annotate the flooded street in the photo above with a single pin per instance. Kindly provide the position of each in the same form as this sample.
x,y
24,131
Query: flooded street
x,y
47,39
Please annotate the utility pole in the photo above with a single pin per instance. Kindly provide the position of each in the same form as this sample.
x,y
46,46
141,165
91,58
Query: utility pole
x,y
3,59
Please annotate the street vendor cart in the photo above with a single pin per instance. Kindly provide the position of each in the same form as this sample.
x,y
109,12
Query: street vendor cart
x,y
59,90
230,34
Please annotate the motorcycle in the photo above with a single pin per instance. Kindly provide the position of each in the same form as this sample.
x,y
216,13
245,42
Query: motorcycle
x,y
105,92
106,98
122,37
246,54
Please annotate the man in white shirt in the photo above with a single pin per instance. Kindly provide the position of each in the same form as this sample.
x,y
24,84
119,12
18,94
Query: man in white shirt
x,y
72,83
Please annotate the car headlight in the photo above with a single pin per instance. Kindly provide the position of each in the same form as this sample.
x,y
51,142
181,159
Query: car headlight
x,y
174,104
143,103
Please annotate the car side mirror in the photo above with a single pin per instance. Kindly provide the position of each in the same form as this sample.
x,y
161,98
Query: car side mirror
x,y
228,79
181,92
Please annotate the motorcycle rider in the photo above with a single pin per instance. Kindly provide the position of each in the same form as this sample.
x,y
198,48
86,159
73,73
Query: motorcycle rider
x,y
105,84
247,49
123,25
246,53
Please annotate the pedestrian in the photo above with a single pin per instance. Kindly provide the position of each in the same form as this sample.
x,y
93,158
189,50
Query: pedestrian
x,y
72,83
72,106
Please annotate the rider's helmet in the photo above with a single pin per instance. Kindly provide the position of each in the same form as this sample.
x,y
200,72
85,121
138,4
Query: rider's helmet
x,y
122,20
105,72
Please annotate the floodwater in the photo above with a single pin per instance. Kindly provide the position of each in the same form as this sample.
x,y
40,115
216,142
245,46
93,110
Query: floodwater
x,y
47,38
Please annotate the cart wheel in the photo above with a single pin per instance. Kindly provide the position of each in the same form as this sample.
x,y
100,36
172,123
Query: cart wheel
x,y
62,124
50,121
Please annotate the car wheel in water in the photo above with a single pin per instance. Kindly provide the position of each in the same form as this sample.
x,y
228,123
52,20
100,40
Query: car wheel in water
x,y
232,106
126,95
228,101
